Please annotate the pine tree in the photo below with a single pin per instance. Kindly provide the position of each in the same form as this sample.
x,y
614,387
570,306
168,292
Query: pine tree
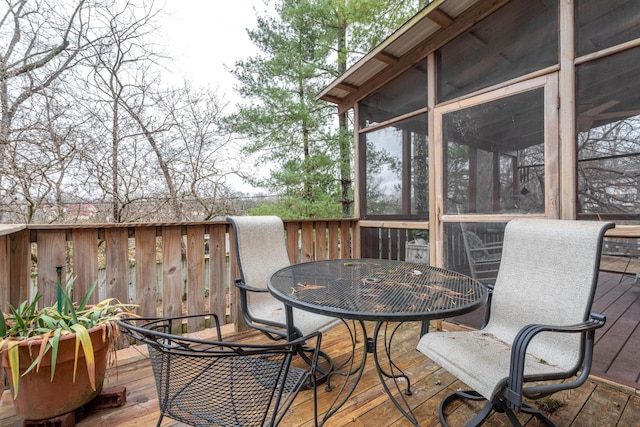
x,y
304,45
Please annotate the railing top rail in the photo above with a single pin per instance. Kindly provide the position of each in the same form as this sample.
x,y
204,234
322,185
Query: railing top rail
x,y
11,228
119,225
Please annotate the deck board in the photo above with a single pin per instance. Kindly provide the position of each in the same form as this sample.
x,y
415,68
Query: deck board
x,y
618,342
594,404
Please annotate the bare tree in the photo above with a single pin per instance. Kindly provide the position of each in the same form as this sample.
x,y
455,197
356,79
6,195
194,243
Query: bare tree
x,y
205,156
42,154
120,80
87,120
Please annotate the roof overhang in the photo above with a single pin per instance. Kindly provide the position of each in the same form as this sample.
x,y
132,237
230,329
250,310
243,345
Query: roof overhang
x,y
429,29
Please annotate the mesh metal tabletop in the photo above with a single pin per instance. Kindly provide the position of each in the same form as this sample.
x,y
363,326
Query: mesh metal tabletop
x,y
378,290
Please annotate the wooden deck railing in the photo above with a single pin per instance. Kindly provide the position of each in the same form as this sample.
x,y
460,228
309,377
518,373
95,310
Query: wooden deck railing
x,y
387,239
166,269
173,268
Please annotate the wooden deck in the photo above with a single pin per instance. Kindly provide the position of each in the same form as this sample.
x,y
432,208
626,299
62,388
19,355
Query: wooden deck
x,y
594,404
618,342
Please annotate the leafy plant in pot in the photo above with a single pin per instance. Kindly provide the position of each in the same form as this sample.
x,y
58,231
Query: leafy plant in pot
x,y
56,357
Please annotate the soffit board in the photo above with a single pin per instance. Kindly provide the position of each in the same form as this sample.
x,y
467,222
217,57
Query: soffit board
x,y
425,24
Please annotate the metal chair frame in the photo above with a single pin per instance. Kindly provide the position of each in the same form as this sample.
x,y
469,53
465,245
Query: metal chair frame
x,y
203,383
261,251
538,328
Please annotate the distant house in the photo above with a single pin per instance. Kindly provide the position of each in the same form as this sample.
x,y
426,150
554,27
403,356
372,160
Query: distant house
x,y
80,212
480,111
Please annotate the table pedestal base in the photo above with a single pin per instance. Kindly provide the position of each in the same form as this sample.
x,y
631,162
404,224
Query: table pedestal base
x,y
394,372
350,371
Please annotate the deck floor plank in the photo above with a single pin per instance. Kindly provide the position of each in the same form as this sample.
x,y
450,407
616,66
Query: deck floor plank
x,y
618,342
594,404
624,368
630,414
604,408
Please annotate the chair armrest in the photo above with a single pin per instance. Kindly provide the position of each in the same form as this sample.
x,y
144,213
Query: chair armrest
x,y
240,284
148,330
513,392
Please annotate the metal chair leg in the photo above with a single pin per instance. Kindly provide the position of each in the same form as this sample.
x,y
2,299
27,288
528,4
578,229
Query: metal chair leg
x,y
469,395
323,370
528,409
490,407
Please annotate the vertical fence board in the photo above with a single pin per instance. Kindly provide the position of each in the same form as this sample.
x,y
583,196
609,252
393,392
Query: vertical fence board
x,y
345,240
195,276
334,241
394,242
385,243
117,263
20,273
172,272
292,241
85,261
321,240
5,290
146,271
117,268
403,237
217,271
234,272
370,242
51,254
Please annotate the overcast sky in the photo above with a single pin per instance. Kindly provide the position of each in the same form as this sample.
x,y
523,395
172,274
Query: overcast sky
x,y
205,36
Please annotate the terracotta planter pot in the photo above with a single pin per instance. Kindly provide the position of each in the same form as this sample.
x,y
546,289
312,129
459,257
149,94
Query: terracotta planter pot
x,y
40,398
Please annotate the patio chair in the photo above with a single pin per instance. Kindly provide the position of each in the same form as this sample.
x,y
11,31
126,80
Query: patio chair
x,y
539,328
484,258
205,383
261,251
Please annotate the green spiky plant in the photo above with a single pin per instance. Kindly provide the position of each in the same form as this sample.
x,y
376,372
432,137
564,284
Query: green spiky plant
x,y
48,324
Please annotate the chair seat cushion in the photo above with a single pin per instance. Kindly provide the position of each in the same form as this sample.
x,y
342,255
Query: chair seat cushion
x,y
479,359
264,306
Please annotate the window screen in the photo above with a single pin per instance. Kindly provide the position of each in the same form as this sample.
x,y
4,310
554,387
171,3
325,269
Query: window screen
x,y
517,39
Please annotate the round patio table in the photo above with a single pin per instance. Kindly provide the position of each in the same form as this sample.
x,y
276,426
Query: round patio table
x,y
376,290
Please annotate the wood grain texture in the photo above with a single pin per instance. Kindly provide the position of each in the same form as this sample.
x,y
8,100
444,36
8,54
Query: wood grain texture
x,y
146,271
218,279
5,280
51,254
85,261
592,405
20,269
117,263
172,285
195,275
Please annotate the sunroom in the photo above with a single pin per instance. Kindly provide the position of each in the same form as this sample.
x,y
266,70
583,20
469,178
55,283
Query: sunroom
x,y
478,112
